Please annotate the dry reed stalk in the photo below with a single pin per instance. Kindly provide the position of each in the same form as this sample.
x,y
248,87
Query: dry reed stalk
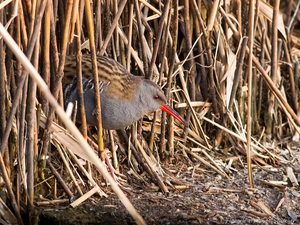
x,y
202,160
141,40
79,80
114,151
11,194
289,111
31,147
147,167
158,38
61,137
134,53
207,44
84,197
166,25
32,41
251,33
6,214
3,80
198,124
85,172
274,66
130,18
59,77
112,28
68,168
196,55
173,24
98,24
293,86
152,164
265,76
60,180
90,25
84,128
191,69
238,71
46,53
30,49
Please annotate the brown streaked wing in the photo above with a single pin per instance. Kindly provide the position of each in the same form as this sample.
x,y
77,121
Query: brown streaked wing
x,y
123,87
107,68
109,71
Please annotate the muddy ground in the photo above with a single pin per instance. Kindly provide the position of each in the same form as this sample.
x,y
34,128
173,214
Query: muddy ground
x,y
209,199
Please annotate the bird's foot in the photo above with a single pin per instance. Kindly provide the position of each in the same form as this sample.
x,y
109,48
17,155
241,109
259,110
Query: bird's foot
x,y
116,175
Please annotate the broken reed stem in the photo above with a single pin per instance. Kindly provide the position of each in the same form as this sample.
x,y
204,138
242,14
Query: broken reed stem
x,y
117,43
84,128
74,18
133,52
276,92
53,40
201,78
261,84
12,114
212,15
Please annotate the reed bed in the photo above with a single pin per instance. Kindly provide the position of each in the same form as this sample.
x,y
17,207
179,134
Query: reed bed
x,y
231,69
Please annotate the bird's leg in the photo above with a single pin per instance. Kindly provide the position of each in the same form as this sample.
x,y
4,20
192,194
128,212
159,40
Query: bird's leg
x,y
113,150
111,169
107,161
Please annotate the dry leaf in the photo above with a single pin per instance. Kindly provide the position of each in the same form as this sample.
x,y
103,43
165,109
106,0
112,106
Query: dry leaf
x,y
267,11
229,75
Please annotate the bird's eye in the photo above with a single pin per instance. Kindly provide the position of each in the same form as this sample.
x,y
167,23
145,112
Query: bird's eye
x,y
156,97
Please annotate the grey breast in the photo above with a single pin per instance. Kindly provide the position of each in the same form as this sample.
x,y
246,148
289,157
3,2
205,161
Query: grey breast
x,y
116,113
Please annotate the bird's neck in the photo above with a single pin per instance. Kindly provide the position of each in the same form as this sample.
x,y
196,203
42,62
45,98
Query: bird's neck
x,y
141,99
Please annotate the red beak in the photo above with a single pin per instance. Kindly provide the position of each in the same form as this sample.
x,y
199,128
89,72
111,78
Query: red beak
x,y
172,112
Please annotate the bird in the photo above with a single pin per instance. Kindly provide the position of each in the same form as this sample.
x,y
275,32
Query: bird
x,y
125,98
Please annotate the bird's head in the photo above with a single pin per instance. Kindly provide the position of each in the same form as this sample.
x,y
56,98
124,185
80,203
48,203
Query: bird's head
x,y
153,98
